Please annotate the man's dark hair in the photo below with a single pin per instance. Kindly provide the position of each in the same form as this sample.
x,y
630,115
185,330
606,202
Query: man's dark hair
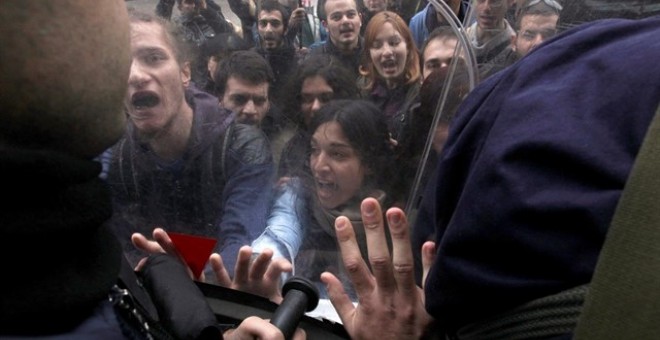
x,y
541,8
272,6
442,32
328,67
247,66
182,48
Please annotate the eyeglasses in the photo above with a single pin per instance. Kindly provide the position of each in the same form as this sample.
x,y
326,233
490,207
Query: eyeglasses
x,y
552,3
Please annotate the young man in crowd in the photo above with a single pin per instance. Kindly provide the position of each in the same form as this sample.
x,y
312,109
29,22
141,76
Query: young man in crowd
x,y
343,23
537,22
184,163
491,35
429,18
243,85
439,50
274,46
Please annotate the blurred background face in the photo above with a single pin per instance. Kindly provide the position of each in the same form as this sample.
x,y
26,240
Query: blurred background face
x,y
375,5
63,76
314,93
249,101
490,13
534,29
338,171
389,53
438,54
155,93
343,23
188,8
271,29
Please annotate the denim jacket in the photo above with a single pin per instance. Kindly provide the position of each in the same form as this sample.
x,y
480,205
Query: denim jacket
x,y
283,233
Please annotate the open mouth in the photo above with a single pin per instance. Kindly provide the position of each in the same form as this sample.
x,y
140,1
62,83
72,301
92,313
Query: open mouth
x,y
144,100
325,189
389,65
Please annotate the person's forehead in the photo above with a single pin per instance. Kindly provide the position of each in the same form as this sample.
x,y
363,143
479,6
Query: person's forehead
x,y
494,3
536,20
339,5
237,85
145,34
388,30
439,45
270,15
332,133
315,84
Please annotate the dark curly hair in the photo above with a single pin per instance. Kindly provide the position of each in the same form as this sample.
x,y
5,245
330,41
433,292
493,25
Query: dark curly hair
x,y
366,130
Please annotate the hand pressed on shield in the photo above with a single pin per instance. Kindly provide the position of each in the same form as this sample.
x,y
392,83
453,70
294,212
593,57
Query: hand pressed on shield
x,y
390,304
260,276
161,244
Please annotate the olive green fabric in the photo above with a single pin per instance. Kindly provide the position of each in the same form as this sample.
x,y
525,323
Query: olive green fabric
x,y
624,297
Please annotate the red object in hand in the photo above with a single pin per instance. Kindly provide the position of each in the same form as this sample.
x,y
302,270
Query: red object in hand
x,y
195,250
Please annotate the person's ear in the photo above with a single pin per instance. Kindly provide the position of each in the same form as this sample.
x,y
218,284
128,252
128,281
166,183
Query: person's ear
x,y
514,39
186,73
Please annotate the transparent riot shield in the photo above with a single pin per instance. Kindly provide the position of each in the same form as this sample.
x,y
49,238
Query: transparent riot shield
x,y
447,99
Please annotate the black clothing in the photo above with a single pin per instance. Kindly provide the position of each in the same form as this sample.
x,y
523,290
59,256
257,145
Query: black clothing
x,y
61,261
283,62
198,29
350,61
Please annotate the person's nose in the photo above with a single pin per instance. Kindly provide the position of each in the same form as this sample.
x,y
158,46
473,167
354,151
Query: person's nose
x,y
137,76
319,163
316,105
387,50
249,109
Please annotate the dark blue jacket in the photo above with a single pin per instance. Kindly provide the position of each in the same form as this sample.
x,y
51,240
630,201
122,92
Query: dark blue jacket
x,y
534,166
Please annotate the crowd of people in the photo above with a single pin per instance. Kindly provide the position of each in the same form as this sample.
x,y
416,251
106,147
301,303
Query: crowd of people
x,y
300,138
275,87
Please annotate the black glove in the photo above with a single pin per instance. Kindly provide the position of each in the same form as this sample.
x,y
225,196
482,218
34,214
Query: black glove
x,y
182,308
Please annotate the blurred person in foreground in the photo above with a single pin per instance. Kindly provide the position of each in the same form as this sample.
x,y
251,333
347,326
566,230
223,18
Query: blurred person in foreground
x,y
62,106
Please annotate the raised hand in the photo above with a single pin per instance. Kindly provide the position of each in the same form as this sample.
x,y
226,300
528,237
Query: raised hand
x,y
161,244
390,304
296,18
260,276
